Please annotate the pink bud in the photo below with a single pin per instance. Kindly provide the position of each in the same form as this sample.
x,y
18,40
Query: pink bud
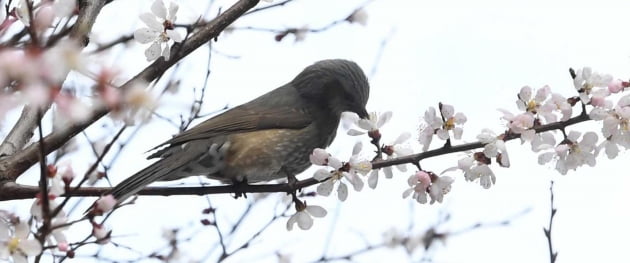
x,y
106,203
63,246
424,178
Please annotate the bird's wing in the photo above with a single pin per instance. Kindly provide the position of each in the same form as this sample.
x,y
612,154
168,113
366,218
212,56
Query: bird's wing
x,y
247,117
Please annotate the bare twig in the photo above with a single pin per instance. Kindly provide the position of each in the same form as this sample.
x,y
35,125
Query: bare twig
x,y
547,230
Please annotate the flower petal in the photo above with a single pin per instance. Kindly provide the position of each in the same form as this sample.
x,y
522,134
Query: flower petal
x,y
373,179
153,52
388,172
316,211
172,11
342,192
402,138
166,52
353,132
150,20
304,221
30,247
383,118
159,9
325,188
357,148
292,220
322,174
447,111
174,35
145,35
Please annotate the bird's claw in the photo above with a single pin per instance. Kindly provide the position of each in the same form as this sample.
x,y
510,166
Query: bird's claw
x,y
240,188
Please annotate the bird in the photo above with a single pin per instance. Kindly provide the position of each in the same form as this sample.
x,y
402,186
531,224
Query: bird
x,y
267,138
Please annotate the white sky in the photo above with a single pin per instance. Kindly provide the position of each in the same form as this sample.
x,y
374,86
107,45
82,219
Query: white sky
x,y
475,55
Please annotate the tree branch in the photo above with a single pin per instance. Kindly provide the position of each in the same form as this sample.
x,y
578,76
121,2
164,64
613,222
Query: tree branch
x,y
12,191
12,167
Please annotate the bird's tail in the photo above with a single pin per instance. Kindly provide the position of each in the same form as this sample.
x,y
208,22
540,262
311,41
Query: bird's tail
x,y
158,171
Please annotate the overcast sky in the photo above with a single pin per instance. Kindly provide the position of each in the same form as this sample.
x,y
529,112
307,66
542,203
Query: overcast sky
x,y
475,55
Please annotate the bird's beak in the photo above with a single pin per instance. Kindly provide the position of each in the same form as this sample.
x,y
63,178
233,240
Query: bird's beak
x,y
363,114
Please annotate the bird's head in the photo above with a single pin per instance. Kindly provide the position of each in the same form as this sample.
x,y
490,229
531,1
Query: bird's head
x,y
336,84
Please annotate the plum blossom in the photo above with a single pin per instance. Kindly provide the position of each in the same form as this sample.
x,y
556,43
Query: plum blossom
x,y
542,105
440,186
525,101
15,242
396,149
557,103
423,182
449,121
159,31
615,126
419,183
494,147
543,141
521,124
571,154
475,167
453,122
304,215
374,122
357,164
348,171
585,82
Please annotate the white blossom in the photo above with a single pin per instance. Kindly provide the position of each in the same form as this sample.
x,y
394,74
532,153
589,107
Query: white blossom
x,y
586,81
495,147
440,187
372,123
304,217
571,154
344,173
15,242
397,148
159,31
449,122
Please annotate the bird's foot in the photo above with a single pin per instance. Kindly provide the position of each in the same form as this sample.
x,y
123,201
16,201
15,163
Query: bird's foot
x,y
292,182
240,188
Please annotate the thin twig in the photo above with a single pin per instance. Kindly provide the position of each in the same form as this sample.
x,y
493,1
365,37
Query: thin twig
x,y
547,230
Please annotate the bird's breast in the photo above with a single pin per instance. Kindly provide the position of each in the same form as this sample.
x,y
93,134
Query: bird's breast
x,y
270,154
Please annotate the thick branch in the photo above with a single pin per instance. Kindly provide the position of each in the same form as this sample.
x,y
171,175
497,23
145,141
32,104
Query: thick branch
x,y
21,132
88,11
12,167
